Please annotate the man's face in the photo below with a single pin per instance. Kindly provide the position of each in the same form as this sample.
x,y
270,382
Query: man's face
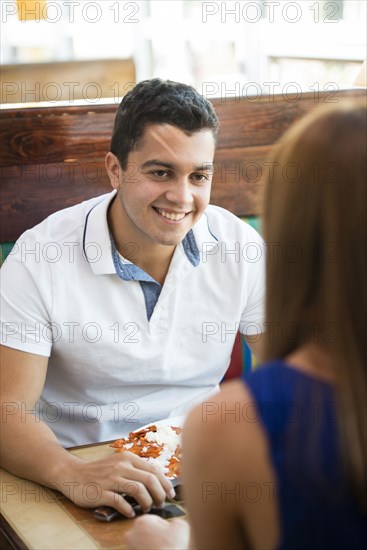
x,y
166,185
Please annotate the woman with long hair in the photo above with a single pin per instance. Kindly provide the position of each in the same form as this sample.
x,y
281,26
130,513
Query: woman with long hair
x,y
279,460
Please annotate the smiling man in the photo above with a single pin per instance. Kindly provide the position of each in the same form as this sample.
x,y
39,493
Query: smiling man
x,y
161,194
136,319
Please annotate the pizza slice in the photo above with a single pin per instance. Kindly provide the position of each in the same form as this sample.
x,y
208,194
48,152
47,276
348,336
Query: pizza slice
x,y
159,444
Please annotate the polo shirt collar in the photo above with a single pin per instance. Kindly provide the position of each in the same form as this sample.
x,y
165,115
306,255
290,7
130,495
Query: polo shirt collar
x,y
204,235
100,251
96,238
128,271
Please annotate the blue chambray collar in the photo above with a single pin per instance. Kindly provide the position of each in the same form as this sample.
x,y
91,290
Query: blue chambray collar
x,y
191,248
96,235
131,272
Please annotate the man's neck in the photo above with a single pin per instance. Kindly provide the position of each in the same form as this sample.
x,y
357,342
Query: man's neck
x,y
153,258
154,261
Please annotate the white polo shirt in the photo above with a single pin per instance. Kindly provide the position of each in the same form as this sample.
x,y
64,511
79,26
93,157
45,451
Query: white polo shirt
x,y
112,368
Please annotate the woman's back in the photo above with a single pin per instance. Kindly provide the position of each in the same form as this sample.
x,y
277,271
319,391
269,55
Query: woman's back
x,y
300,418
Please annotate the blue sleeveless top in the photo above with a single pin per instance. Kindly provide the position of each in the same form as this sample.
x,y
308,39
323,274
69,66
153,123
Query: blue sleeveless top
x,y
300,418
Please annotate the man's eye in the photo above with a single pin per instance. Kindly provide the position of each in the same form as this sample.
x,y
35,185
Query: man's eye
x,y
159,173
200,178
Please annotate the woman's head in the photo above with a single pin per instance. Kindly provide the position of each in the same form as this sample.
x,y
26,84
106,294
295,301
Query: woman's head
x,y
315,224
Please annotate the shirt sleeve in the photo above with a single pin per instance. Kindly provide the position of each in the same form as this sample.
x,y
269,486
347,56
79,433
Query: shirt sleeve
x,y
26,299
252,319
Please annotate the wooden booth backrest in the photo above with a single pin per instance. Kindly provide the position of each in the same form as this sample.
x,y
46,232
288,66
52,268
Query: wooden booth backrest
x,y
53,157
90,80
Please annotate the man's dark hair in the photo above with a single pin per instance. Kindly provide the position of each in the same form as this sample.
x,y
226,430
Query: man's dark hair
x,y
159,101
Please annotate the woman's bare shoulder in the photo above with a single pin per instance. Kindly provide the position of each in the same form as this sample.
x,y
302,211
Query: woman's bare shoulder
x,y
224,442
229,417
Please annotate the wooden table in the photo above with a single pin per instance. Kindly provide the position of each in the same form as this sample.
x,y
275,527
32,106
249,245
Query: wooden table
x,y
37,518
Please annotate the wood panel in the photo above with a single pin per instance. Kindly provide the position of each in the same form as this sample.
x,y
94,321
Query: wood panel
x,y
89,80
44,135
53,157
31,192
237,179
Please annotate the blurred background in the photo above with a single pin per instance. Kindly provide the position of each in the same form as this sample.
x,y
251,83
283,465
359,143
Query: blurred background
x,y
53,50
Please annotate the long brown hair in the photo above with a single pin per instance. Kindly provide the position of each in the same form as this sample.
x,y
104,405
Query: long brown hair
x,y
315,226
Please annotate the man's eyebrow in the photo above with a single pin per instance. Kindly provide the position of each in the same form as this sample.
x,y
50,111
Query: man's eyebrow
x,y
205,166
156,162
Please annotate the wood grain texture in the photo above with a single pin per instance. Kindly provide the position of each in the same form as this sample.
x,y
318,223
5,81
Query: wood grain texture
x,y
89,79
37,518
40,136
53,157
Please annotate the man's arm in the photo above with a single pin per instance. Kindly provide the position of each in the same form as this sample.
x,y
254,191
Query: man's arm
x,y
30,449
256,343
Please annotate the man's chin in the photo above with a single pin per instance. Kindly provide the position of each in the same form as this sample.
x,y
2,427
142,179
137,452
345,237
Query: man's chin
x,y
171,243
170,240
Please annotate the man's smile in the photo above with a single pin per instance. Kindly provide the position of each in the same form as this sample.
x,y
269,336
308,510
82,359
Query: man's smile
x,y
170,214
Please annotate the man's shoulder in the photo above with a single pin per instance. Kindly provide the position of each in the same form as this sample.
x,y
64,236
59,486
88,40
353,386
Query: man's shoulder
x,y
224,225
64,223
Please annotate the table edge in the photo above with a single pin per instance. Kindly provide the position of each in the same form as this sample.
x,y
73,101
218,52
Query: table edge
x,y
11,537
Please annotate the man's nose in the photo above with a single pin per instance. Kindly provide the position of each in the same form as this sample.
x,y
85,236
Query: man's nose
x,y
179,191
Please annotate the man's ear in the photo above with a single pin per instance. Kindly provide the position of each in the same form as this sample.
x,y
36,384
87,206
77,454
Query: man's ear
x,y
113,170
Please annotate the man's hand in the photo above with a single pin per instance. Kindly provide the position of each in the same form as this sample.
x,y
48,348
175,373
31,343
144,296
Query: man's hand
x,y
29,448
155,533
104,482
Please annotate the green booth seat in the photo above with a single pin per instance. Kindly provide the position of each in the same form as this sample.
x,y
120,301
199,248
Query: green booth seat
x,y
5,249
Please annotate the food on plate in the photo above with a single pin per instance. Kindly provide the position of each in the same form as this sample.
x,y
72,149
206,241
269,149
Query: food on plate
x,y
159,444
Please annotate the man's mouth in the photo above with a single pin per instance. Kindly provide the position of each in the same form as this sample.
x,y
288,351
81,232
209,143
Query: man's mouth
x,y
172,216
